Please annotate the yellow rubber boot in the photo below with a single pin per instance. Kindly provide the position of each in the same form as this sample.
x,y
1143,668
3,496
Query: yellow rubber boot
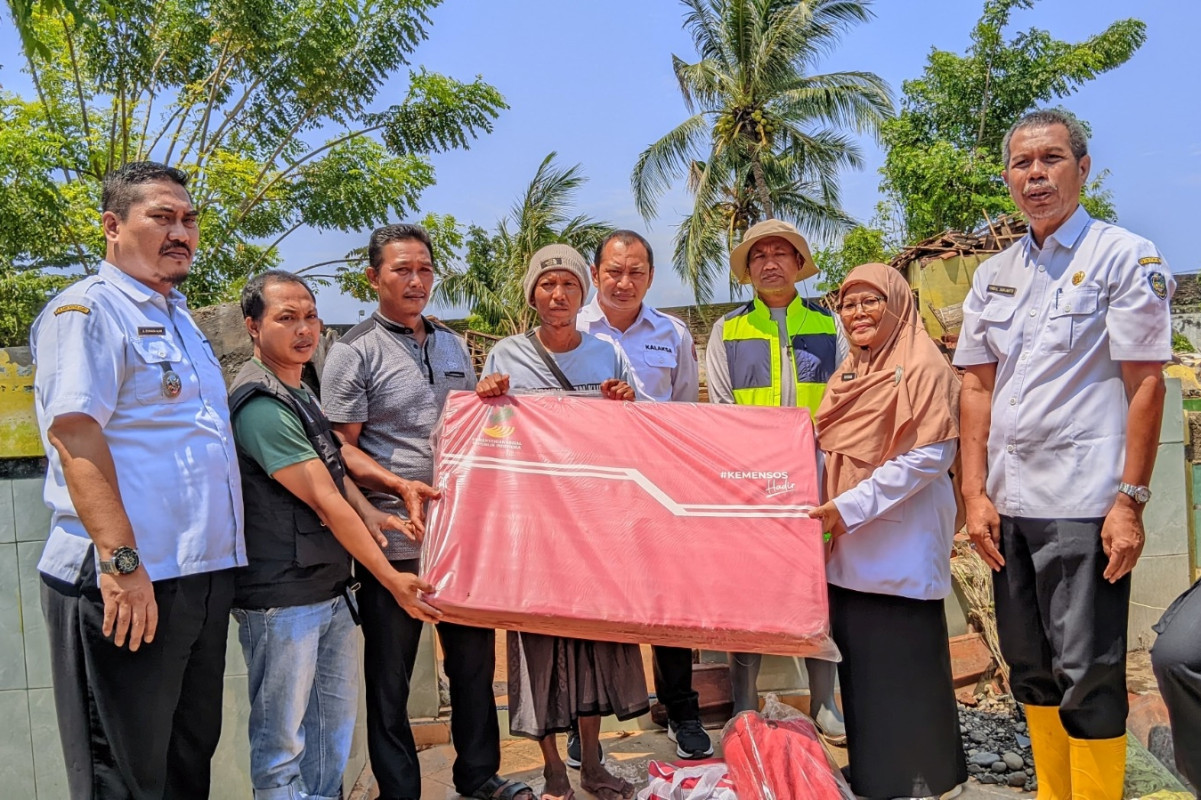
x,y
1098,768
1052,754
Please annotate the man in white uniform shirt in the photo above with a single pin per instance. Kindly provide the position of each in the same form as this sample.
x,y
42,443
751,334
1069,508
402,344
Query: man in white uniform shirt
x,y
1064,338
146,502
664,368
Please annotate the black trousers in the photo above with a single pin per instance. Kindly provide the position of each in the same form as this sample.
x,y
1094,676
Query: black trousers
x,y
139,724
1062,625
390,650
1176,658
898,695
673,683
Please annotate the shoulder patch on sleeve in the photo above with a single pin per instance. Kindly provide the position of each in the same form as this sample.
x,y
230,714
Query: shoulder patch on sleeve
x,y
72,307
1150,260
1159,284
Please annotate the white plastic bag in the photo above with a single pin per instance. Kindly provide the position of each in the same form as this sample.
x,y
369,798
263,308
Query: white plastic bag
x,y
708,781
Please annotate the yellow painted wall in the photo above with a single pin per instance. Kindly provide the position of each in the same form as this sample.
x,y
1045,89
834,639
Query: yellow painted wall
x,y
18,423
940,283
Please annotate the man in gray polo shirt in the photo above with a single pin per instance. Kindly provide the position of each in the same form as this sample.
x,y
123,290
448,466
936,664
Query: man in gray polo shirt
x,y
383,387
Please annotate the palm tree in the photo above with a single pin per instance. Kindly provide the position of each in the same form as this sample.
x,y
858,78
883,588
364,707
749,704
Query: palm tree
x,y
763,139
491,283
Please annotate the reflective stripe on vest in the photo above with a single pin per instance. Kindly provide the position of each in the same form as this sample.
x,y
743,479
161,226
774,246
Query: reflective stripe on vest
x,y
752,343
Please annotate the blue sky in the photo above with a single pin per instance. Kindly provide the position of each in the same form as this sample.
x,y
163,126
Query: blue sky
x,y
592,80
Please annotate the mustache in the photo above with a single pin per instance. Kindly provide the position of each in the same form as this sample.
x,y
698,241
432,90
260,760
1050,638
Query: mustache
x,y
1038,187
174,247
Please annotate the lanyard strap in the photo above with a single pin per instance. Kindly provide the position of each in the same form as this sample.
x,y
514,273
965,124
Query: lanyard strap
x,y
549,361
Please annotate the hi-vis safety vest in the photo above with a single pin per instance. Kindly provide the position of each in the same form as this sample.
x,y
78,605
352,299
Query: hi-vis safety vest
x,y
752,341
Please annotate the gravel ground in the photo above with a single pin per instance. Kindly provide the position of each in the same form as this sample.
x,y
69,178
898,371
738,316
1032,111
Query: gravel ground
x,y
997,744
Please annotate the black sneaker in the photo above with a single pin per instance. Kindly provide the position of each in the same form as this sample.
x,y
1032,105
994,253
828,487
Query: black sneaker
x,y
690,738
573,750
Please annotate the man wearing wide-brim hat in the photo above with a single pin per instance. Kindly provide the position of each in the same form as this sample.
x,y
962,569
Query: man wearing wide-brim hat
x,y
777,350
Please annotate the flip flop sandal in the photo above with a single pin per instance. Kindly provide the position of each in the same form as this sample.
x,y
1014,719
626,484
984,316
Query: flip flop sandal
x,y
497,788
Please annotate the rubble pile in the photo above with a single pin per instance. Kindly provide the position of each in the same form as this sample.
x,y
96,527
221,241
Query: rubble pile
x,y
997,743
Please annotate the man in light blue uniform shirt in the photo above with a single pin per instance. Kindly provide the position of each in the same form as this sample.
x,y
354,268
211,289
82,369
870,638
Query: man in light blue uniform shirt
x,y
664,367
146,502
1064,338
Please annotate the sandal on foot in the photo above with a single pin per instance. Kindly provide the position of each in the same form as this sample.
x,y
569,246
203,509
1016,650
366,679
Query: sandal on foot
x,y
497,788
622,788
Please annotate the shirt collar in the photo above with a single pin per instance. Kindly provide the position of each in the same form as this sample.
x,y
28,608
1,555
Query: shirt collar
x,y
135,289
396,327
594,313
1066,235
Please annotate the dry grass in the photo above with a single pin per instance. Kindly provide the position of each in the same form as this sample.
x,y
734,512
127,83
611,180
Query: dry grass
x,y
975,580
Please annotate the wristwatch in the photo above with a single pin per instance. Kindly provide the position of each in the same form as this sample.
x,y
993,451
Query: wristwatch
x,y
124,561
1140,494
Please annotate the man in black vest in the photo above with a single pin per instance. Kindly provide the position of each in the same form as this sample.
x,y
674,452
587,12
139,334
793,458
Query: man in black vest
x,y
304,522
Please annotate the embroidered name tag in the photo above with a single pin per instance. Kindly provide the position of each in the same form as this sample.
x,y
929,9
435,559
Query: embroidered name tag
x,y
151,330
1150,260
455,375
72,307
1008,291
848,376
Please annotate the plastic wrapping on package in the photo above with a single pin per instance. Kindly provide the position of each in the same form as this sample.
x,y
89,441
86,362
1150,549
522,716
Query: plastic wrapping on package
x,y
708,780
658,523
780,760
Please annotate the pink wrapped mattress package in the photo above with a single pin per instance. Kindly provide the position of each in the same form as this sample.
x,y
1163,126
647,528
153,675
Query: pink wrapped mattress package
x,y
658,523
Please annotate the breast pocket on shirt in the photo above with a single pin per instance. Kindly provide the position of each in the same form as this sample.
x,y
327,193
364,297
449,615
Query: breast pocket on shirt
x,y
659,359
160,373
1074,321
996,322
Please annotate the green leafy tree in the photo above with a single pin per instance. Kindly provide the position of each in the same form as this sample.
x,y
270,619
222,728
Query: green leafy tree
x,y
489,280
861,245
943,163
765,138
276,109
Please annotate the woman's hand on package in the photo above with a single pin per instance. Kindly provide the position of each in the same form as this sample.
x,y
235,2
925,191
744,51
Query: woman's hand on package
x,y
617,390
493,385
831,519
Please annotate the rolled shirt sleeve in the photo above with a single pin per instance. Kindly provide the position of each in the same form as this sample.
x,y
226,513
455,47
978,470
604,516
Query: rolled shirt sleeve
x,y
271,434
685,379
1139,320
80,354
971,350
344,382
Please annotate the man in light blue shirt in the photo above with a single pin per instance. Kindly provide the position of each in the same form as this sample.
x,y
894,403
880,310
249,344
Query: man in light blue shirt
x,y
1064,338
664,367
146,502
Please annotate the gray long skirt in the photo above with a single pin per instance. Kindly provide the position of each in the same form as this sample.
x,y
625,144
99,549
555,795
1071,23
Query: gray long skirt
x,y
554,679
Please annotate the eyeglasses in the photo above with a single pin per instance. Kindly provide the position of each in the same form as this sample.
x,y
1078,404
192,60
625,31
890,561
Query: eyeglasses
x,y
868,304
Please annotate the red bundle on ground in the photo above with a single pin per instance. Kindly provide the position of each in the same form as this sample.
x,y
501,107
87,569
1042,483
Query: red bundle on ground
x,y
657,523
780,760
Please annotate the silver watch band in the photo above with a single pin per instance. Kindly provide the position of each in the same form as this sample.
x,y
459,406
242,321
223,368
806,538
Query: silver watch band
x,y
1140,494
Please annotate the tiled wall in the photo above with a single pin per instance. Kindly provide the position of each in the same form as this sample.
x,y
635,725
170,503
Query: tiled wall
x,y
30,756
31,764
1164,570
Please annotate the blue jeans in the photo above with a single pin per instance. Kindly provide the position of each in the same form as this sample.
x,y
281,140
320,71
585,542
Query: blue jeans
x,y
302,668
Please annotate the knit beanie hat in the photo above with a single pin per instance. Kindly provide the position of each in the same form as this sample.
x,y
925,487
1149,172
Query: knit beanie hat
x,y
552,257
